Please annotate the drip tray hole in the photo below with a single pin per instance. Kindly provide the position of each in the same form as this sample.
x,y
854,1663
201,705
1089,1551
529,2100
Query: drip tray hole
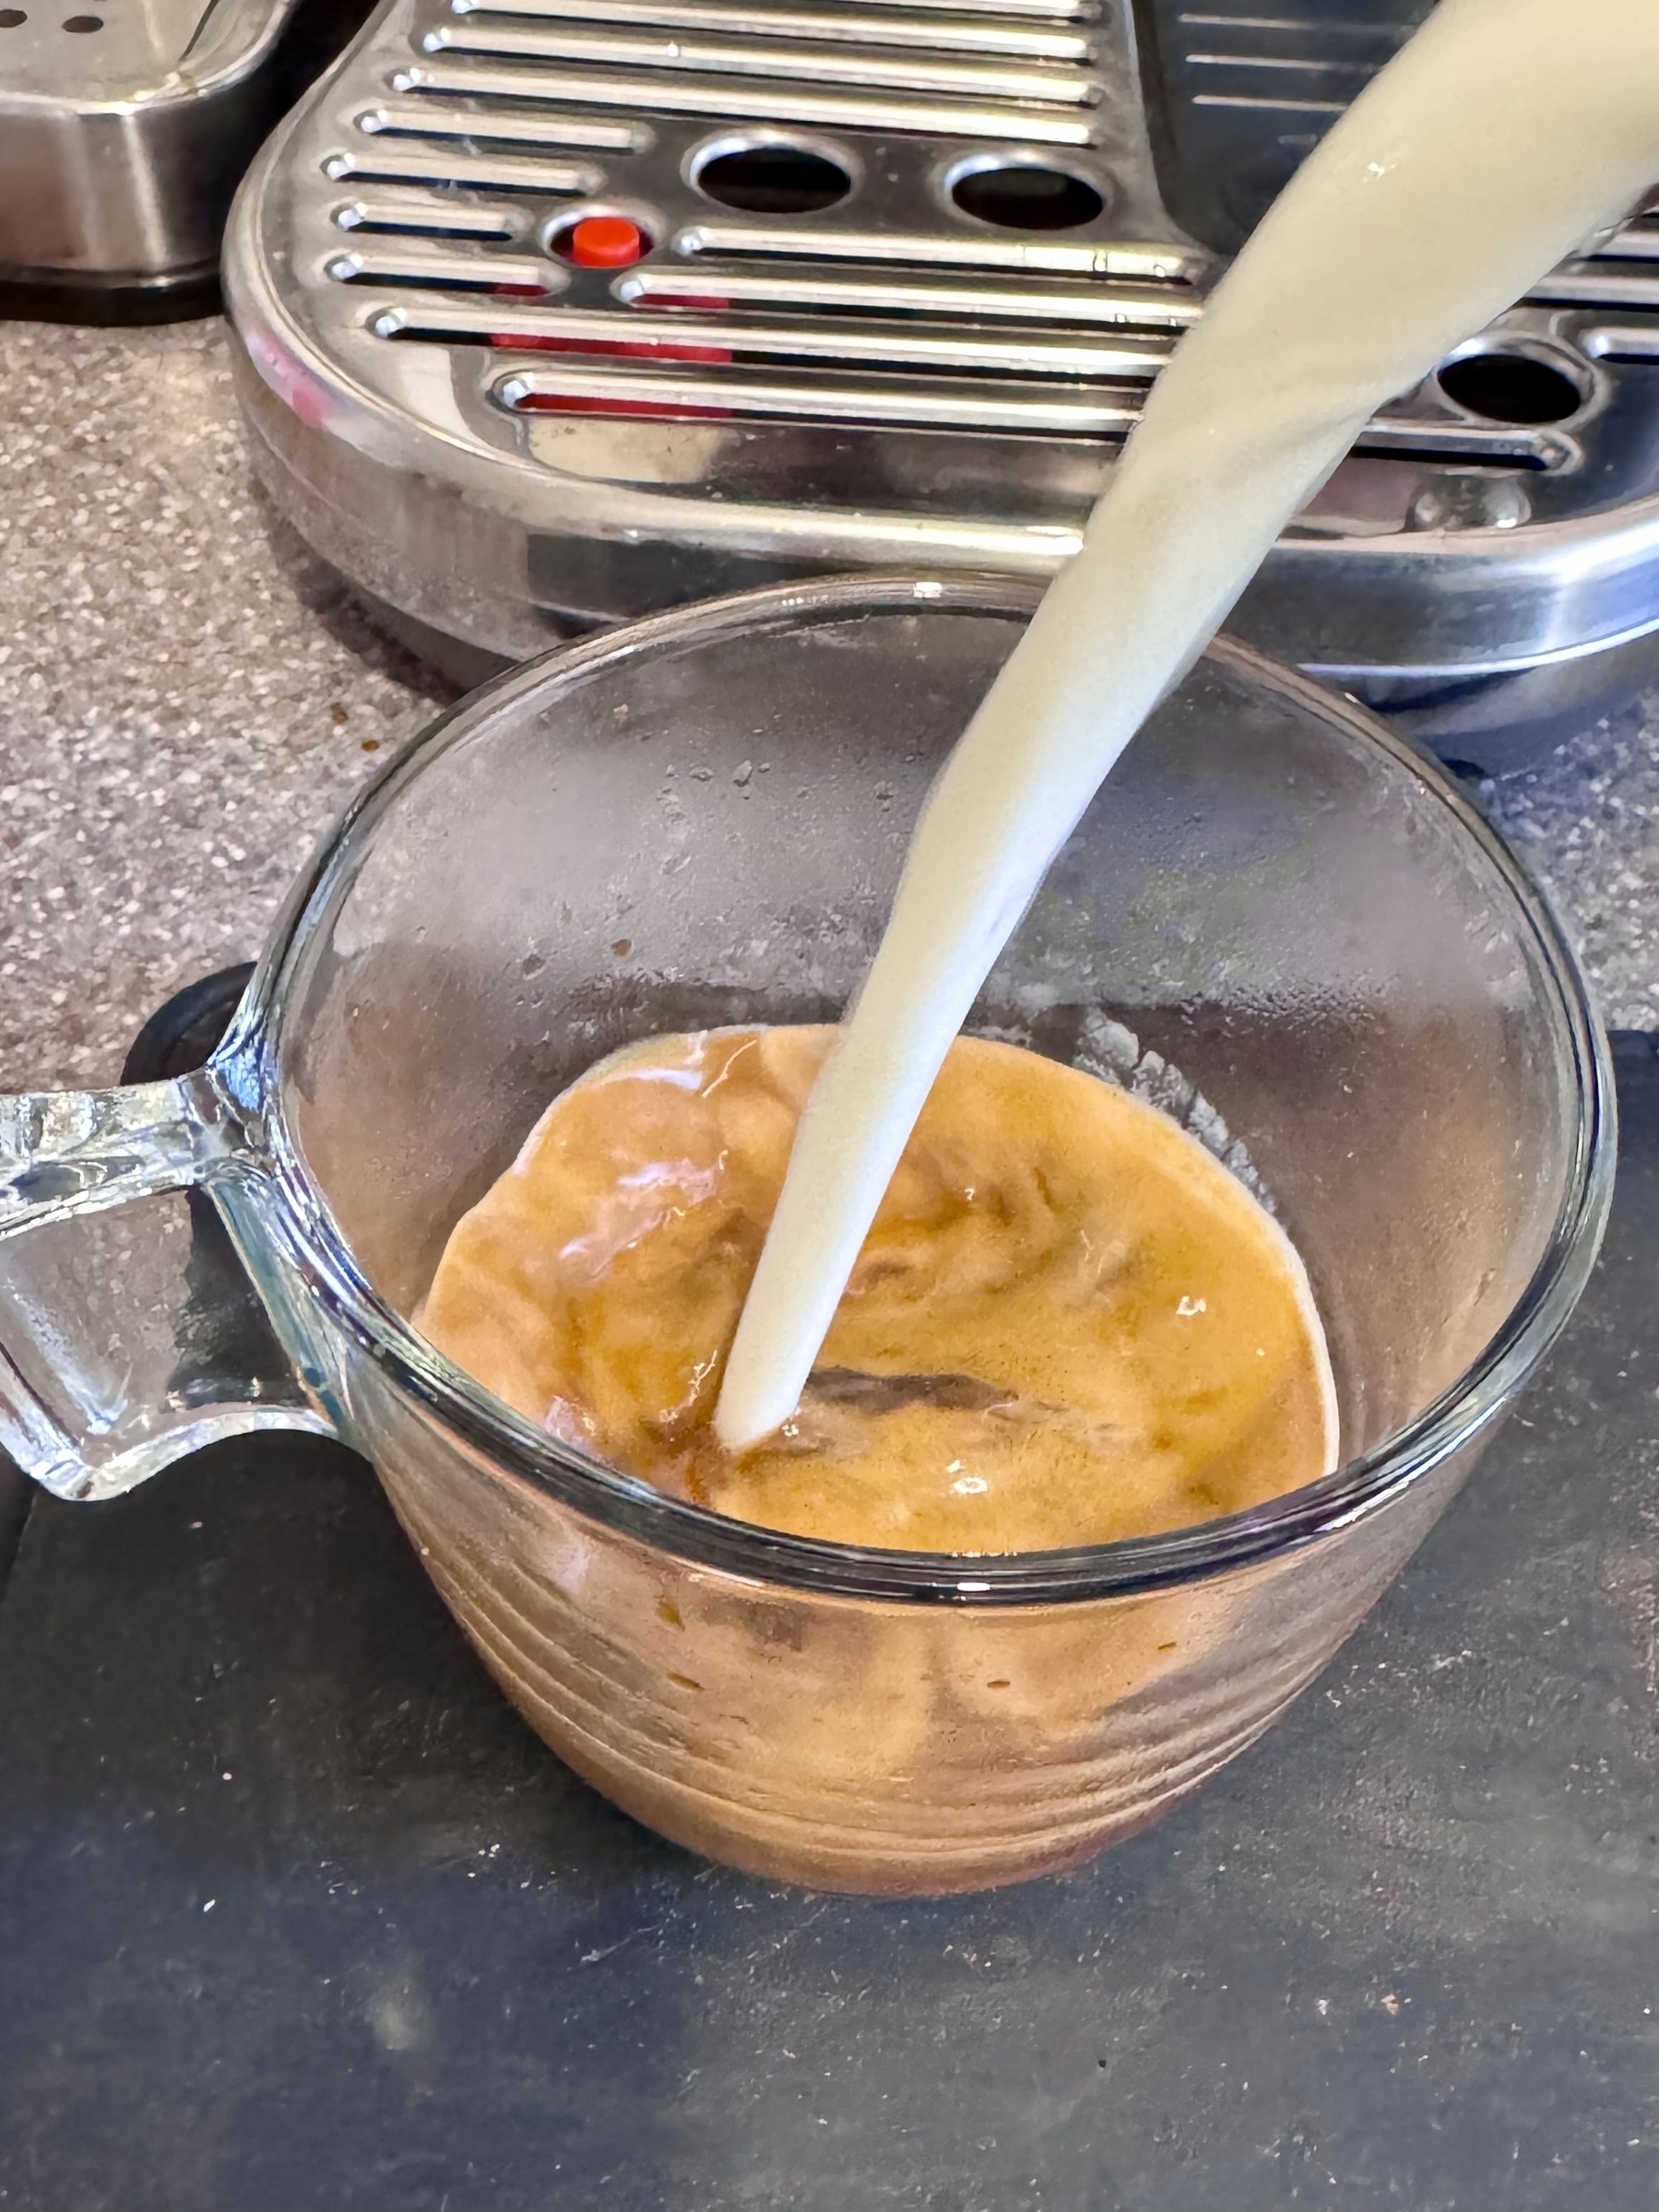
x,y
1024,196
773,179
1512,387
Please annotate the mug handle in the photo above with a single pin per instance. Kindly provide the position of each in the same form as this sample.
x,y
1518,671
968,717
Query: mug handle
x,y
129,1331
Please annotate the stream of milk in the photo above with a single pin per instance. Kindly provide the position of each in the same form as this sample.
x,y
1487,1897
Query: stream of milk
x,y
1502,135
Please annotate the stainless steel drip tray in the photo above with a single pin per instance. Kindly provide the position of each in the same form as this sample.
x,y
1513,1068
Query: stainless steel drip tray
x,y
124,127
903,276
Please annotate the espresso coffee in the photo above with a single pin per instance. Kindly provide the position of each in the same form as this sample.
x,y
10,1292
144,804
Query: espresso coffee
x,y
1068,1322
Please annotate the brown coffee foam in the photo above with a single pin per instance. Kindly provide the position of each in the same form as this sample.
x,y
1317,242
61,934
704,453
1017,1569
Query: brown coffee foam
x,y
1127,1340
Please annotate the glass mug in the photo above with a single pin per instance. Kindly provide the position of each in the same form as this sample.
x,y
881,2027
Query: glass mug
x,y
1276,922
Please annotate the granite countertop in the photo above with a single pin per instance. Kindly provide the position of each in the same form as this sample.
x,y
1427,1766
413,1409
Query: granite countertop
x,y
186,699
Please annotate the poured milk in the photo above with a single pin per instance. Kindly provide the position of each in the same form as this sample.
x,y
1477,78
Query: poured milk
x,y
1502,137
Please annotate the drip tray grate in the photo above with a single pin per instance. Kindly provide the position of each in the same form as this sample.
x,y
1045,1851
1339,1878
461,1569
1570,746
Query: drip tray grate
x,y
905,273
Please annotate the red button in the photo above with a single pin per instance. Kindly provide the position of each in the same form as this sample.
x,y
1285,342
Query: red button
x,y
605,241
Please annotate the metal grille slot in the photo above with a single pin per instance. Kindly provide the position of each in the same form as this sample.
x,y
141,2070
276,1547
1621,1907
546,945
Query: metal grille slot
x,y
665,289
770,103
1137,263
428,120
876,403
1621,341
1639,241
734,57
938,35
1591,284
1624,272
434,217
958,351
392,164
1316,66
1469,445
413,265
1052,11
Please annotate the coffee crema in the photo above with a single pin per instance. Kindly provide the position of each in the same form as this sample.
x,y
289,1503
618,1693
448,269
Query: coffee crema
x,y
1069,1323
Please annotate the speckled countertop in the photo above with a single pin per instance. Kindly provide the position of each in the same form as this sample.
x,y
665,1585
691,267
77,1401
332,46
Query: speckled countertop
x,y
186,699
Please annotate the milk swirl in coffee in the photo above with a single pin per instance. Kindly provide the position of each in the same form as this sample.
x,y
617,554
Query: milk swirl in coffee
x,y
1069,1323
891,1344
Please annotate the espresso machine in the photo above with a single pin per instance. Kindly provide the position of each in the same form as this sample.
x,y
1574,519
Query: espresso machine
x,y
554,313
125,125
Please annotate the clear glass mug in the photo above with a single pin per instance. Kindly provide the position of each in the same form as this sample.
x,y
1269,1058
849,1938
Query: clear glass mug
x,y
1276,922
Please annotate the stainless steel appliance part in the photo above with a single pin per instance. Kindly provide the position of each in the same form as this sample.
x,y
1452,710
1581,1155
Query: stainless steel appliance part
x,y
125,126
885,282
